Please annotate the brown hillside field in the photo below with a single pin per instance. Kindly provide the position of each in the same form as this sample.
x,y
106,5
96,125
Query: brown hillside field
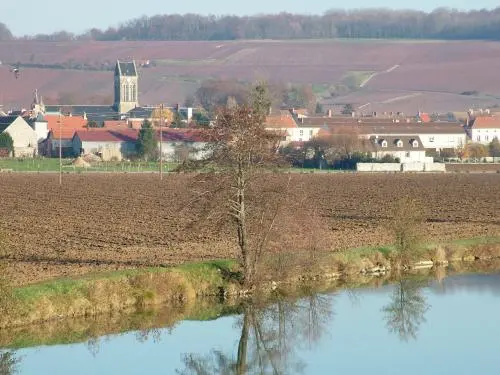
x,y
108,222
435,72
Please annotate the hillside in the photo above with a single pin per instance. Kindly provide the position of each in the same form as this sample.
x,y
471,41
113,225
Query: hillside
x,y
381,75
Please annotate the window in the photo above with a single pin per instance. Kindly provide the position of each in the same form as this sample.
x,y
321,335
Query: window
x,y
310,133
134,93
301,132
478,138
486,138
431,139
383,143
399,143
415,143
408,154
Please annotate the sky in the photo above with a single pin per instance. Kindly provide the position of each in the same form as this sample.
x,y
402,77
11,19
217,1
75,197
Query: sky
x,y
30,17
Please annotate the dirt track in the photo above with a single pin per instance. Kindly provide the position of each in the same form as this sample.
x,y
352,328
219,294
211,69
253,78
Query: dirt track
x,y
107,222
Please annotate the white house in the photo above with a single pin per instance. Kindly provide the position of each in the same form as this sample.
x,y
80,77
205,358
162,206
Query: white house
x,y
408,149
436,136
40,126
291,131
484,129
23,135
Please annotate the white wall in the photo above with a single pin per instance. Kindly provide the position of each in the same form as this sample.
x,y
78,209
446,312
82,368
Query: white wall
x,y
302,134
297,134
378,167
484,136
24,137
171,150
404,156
397,167
434,141
41,130
440,141
123,148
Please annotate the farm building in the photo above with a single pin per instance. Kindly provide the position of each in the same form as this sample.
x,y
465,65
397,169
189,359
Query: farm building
x,y
183,144
23,135
408,149
58,139
117,144
108,144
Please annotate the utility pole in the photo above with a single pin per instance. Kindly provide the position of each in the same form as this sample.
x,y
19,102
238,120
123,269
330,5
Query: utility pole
x,y
161,142
60,149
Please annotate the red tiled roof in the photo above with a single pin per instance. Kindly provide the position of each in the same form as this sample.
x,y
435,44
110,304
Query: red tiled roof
x,y
65,133
73,122
114,124
105,135
182,135
484,122
280,122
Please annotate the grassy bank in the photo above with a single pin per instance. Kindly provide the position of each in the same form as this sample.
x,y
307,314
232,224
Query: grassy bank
x,y
52,165
96,294
149,322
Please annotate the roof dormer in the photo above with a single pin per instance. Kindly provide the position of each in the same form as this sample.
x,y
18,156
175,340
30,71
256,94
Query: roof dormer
x,y
383,143
414,143
398,143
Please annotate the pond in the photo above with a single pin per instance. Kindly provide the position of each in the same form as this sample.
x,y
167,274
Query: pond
x,y
414,326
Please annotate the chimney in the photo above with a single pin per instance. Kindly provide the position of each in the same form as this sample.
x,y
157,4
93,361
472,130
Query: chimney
x,y
329,113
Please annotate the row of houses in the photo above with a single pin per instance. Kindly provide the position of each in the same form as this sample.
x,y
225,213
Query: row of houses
x,y
45,135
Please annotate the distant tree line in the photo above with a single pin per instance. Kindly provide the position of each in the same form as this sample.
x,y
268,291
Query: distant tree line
x,y
442,23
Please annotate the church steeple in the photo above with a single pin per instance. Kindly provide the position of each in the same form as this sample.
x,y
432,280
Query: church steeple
x,y
126,86
37,107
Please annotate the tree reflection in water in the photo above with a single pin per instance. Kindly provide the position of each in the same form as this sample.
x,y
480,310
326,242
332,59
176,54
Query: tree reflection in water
x,y
406,311
270,338
8,363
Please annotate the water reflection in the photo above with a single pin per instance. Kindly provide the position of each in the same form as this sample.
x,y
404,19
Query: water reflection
x,y
8,363
406,310
270,339
289,334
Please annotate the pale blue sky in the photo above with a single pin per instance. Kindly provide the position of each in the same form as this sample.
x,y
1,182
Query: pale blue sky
x,y
33,16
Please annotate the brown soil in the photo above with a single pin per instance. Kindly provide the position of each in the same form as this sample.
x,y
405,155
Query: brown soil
x,y
107,222
482,168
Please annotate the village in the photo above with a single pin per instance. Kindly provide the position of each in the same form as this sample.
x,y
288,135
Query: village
x,y
394,141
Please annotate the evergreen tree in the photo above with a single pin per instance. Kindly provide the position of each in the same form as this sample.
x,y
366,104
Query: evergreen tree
x,y
147,144
494,148
6,142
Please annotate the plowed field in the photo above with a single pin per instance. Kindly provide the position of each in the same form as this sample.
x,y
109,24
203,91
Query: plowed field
x,y
107,222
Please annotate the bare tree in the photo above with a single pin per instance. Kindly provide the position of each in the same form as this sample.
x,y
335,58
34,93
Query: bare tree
x,y
242,148
406,224
406,311
270,340
8,363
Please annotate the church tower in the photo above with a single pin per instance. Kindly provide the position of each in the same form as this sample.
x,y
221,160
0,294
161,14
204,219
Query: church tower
x,y
126,87
38,107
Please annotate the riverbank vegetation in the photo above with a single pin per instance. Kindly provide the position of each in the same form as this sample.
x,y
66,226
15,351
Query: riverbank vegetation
x,y
147,322
107,293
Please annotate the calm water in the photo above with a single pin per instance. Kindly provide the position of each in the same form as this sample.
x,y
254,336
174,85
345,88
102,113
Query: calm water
x,y
452,327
